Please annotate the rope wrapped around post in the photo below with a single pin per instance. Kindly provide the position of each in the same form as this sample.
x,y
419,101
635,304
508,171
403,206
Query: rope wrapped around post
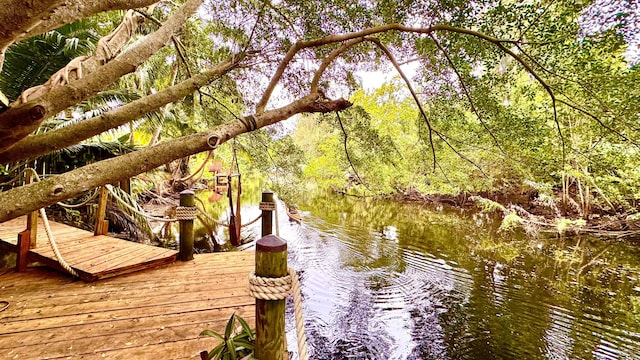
x,y
266,288
186,212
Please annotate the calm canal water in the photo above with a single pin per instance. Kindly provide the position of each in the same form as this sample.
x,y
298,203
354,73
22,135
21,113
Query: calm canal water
x,y
383,280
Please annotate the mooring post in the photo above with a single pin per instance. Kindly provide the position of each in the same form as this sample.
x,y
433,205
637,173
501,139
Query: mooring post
x,y
267,206
271,261
187,199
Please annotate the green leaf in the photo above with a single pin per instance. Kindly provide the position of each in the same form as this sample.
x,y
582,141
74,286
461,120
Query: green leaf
x,y
229,329
212,334
217,351
246,327
231,348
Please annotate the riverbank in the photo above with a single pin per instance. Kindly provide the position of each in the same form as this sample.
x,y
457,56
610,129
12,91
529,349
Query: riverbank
x,y
537,213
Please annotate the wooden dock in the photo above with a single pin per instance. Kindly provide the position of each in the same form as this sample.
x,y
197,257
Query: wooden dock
x,y
153,314
92,257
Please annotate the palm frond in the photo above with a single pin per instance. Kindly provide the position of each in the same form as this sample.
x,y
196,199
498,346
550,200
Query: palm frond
x,y
32,62
131,202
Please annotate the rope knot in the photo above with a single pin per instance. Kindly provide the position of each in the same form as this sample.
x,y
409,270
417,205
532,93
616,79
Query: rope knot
x,y
265,288
186,212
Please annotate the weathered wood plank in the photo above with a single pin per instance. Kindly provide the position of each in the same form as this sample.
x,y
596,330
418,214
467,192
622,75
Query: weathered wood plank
x,y
181,274
93,257
122,339
114,257
155,314
80,308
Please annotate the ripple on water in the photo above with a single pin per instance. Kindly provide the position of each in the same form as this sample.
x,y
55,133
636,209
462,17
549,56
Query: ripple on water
x,y
404,303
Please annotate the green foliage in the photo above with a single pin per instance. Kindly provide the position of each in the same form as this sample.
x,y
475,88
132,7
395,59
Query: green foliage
x,y
563,224
487,205
234,344
127,203
510,222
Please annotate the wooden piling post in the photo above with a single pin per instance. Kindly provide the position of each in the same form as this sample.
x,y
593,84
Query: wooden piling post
x,y
102,225
22,257
32,218
267,206
187,199
271,261
125,185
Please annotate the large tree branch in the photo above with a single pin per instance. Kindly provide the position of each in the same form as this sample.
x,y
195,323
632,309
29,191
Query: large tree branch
x,y
14,125
37,145
22,19
108,47
28,198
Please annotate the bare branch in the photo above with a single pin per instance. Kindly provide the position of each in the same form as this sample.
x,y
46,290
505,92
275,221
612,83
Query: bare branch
x,y
391,58
346,151
466,92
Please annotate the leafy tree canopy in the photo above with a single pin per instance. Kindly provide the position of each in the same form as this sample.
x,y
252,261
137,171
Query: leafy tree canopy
x,y
520,79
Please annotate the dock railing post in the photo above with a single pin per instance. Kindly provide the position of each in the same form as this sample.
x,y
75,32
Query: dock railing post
x,y
187,200
102,225
32,219
22,257
271,262
267,206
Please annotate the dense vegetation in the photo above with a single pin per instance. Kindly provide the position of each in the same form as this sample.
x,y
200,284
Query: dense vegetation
x,y
537,99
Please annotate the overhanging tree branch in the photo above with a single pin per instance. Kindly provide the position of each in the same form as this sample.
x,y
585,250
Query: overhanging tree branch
x,y
15,126
108,47
461,155
391,58
346,151
37,145
330,39
28,198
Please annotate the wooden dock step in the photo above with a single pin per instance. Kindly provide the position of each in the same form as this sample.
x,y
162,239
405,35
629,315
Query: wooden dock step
x,y
92,257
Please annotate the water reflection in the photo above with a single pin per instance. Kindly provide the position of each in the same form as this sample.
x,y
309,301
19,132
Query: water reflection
x,y
389,281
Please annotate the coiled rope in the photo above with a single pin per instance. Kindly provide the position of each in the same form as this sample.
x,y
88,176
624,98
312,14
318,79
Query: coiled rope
x,y
52,241
279,289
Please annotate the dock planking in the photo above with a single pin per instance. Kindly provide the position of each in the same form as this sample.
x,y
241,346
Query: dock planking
x,y
153,314
92,257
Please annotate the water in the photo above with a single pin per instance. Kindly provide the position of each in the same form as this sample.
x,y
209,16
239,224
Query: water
x,y
382,280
